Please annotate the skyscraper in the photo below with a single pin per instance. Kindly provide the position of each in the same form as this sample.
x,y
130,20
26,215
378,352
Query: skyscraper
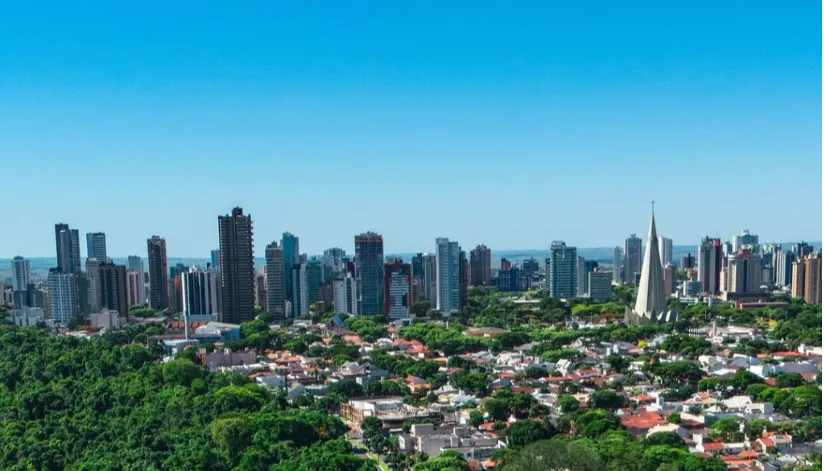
x,y
799,278
237,267
745,240
802,249
369,270
300,291
314,280
562,277
581,276
481,265
158,273
291,250
96,246
345,293
93,284
448,275
113,295
429,278
135,265
215,259
651,302
275,298
783,268
134,286
62,295
687,262
665,250
463,278
632,258
744,272
333,260
199,294
617,257
21,273
68,248
710,263
398,289
812,279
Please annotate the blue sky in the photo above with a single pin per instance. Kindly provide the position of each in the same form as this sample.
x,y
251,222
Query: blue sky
x,y
470,120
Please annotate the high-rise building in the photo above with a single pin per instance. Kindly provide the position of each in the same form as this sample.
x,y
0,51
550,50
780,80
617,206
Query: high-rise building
x,y
113,295
581,276
505,264
617,266
135,265
744,272
665,250
158,273
562,274
651,303
464,278
333,261
531,267
199,294
96,246
291,255
260,290
812,279
398,289
802,249
782,268
275,297
481,265
369,270
345,294
93,280
134,287
21,273
314,280
237,267
62,296
29,297
514,279
300,293
710,264
632,258
424,278
744,240
68,248
600,285
670,279
687,262
215,259
448,275
799,275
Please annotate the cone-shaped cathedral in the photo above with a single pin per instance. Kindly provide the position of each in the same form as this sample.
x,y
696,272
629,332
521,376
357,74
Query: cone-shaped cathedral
x,y
651,303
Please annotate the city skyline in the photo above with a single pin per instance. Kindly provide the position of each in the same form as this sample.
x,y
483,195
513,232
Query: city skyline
x,y
429,247
556,103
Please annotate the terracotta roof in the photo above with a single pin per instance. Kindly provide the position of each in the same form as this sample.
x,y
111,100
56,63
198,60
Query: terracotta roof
x,y
713,446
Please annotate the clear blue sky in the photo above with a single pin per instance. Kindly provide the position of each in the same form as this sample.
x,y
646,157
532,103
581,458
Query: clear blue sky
x,y
471,120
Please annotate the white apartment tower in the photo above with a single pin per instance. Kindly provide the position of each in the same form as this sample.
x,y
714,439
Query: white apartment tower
x,y
62,296
447,275
21,271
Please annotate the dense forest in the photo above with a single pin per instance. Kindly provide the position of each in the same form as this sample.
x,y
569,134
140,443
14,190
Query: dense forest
x,y
105,404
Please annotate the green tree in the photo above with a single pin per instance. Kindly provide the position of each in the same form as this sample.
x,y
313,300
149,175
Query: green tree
x,y
476,418
606,399
525,432
567,404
